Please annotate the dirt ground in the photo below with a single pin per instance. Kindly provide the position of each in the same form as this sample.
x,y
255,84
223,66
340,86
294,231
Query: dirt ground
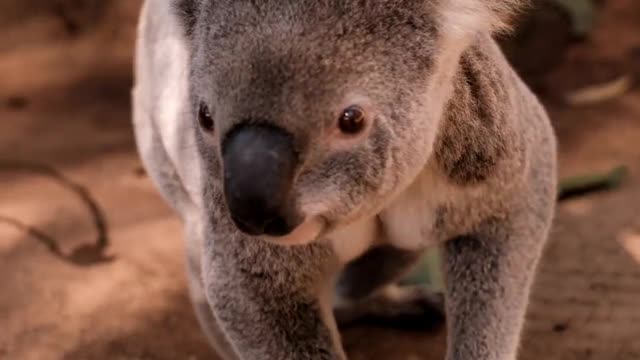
x,y
64,105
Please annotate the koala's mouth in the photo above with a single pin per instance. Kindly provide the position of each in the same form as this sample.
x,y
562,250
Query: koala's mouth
x,y
305,233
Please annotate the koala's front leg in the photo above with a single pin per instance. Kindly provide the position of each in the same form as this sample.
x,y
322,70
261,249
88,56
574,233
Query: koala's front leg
x,y
489,275
268,298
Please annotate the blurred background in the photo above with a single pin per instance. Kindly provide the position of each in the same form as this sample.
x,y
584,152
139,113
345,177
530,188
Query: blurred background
x,y
91,260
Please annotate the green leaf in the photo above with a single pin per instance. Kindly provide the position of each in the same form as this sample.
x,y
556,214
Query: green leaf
x,y
582,13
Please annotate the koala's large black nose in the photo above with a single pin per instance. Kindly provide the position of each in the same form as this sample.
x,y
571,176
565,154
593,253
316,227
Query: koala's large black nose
x,y
259,163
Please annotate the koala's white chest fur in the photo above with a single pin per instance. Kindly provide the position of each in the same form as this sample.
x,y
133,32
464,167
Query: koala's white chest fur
x,y
351,241
408,222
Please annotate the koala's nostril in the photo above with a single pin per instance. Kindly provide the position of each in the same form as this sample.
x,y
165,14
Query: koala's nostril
x,y
278,227
246,227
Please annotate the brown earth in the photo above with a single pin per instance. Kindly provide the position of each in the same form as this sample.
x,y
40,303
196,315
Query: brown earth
x,y
64,103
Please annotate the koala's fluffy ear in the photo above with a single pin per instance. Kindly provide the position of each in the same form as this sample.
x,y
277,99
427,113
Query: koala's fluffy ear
x,y
187,11
464,17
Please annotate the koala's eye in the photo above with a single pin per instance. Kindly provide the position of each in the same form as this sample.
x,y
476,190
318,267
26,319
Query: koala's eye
x,y
352,120
205,119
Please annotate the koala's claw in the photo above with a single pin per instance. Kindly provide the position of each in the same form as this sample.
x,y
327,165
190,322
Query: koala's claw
x,y
410,307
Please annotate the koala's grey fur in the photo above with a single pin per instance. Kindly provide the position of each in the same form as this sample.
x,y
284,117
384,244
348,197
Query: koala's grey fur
x,y
459,154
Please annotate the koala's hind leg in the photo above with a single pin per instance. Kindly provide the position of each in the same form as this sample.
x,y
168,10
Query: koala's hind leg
x,y
366,292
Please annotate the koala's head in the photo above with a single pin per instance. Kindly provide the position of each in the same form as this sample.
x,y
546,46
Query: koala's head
x,y
322,110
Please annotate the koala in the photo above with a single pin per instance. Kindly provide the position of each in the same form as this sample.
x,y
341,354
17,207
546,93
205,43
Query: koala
x,y
314,149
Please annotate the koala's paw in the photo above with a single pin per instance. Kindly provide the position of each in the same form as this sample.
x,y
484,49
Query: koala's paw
x,y
406,307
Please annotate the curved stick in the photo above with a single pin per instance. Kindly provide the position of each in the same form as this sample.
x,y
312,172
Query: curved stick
x,y
95,251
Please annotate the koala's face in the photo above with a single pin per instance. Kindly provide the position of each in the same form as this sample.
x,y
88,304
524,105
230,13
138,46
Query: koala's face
x,y
319,110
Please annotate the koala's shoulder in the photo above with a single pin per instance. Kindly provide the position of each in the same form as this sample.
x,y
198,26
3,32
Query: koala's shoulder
x,y
479,137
